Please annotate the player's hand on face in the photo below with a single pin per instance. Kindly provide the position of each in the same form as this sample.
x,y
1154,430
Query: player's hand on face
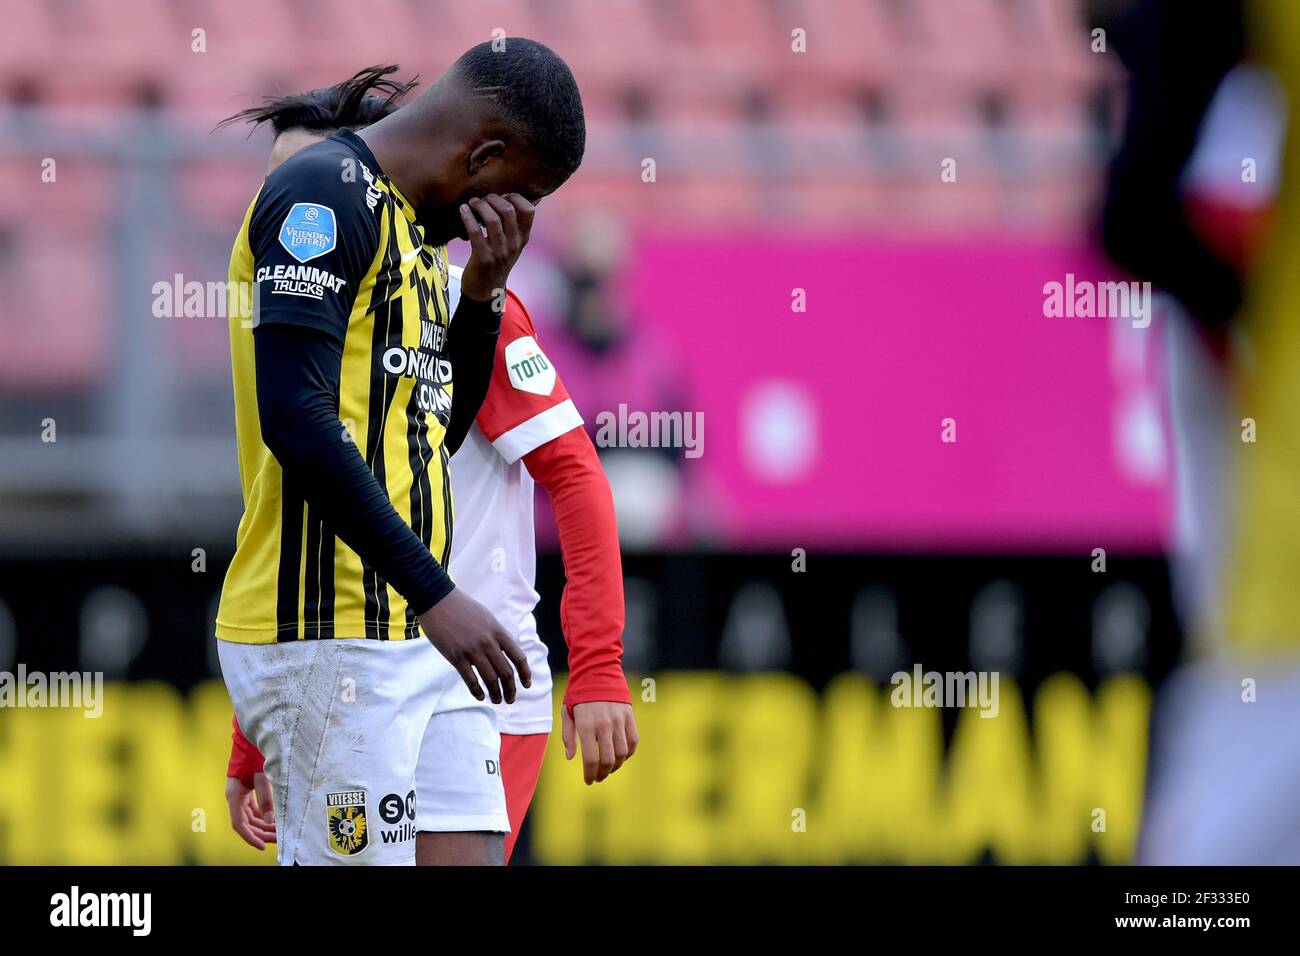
x,y
252,814
608,735
498,228
466,633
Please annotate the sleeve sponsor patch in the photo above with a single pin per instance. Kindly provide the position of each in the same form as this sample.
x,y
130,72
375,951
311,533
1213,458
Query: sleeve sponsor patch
x,y
309,230
528,368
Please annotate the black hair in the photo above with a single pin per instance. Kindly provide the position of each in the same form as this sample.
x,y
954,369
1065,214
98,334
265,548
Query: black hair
x,y
536,93
364,98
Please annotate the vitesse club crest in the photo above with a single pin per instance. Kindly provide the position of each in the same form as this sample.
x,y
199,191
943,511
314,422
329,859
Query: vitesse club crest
x,y
345,817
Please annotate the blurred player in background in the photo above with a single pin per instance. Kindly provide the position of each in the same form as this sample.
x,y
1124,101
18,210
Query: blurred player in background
x,y
526,430
1226,754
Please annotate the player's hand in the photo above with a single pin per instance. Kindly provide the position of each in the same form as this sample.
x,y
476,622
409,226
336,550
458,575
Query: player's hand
x,y
608,734
252,814
466,633
497,228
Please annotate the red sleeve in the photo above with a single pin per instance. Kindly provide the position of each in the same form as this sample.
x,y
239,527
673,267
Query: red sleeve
x,y
527,405
245,759
591,611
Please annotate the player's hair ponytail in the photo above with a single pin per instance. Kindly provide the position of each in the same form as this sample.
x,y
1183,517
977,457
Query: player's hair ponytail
x,y
364,98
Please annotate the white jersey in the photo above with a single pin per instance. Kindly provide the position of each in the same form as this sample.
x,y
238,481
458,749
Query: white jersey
x,y
493,549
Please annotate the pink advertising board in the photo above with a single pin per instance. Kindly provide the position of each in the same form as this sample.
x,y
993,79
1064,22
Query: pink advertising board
x,y
826,427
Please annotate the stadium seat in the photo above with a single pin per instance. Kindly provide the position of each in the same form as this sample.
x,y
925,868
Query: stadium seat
x,y
404,41
249,48
1056,48
27,37
79,203
616,43
57,333
209,190
119,52
832,134
851,45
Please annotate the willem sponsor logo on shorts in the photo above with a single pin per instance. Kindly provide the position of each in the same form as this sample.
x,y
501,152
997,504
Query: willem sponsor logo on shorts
x,y
345,816
399,814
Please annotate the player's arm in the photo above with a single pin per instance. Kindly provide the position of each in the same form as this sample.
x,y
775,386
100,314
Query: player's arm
x,y
245,759
597,709
248,795
298,350
528,415
471,346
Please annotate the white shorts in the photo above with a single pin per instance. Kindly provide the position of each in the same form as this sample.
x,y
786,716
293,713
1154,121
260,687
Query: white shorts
x,y
366,743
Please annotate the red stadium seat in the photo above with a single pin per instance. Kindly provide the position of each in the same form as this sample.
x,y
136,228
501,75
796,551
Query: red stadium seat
x,y
407,40
59,305
617,43
851,44
209,191
831,133
114,52
1057,46
79,203
728,46
249,49
26,40
473,23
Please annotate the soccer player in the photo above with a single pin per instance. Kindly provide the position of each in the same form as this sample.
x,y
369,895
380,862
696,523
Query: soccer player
x,y
343,398
527,420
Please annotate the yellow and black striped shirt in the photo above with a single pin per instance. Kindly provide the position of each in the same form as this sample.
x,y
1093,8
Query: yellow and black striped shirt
x,y
331,244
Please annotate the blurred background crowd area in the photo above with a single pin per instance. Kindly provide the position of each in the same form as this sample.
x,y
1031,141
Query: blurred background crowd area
x,y
828,111
800,137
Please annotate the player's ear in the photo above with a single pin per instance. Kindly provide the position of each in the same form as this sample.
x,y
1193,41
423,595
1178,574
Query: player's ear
x,y
483,154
